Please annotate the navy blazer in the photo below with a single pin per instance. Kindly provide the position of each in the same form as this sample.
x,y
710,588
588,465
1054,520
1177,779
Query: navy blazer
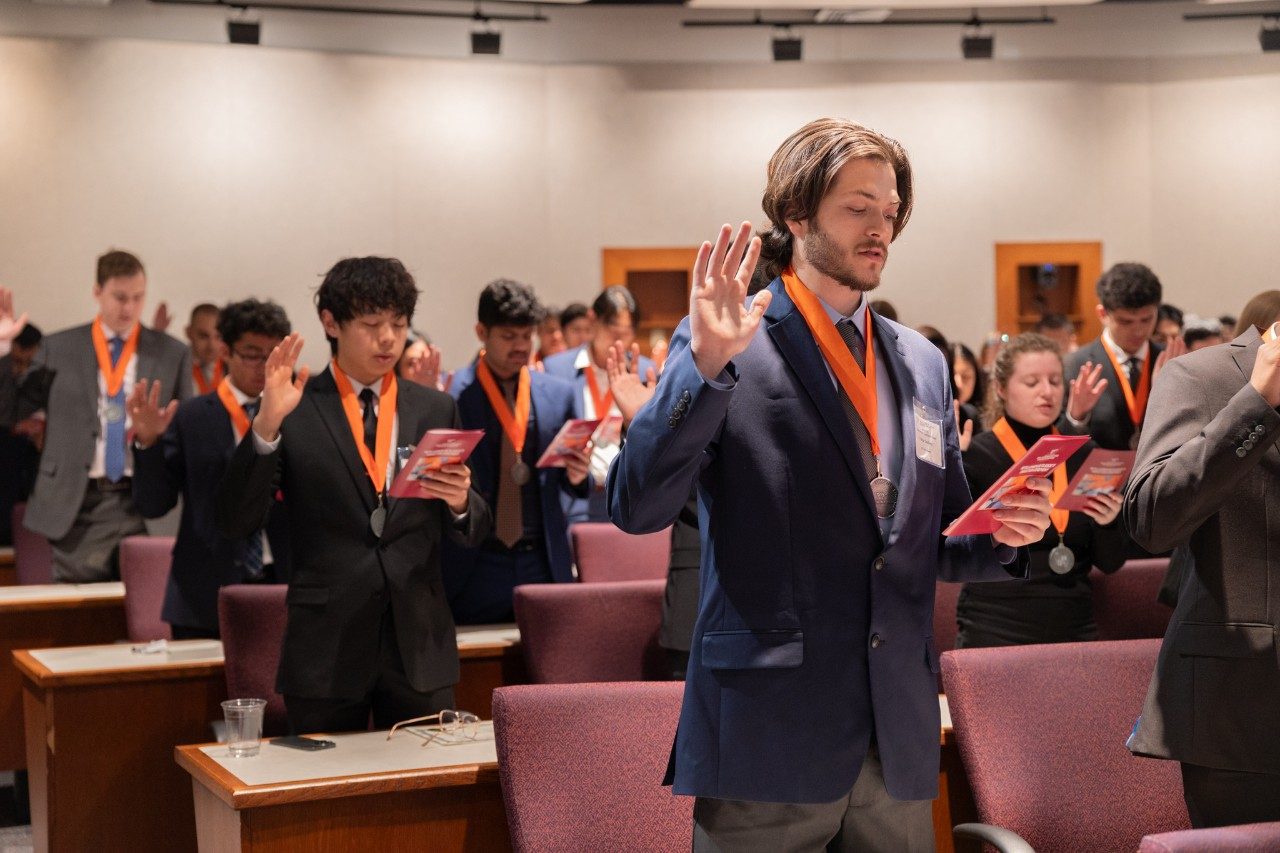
x,y
813,633
189,460
551,404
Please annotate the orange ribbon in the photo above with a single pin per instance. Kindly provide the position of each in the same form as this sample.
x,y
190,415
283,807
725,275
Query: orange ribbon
x,y
602,402
1009,441
114,376
514,424
197,376
239,417
374,465
860,386
1137,403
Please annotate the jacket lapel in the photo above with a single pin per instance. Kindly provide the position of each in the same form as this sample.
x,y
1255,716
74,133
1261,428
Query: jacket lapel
x,y
1244,352
322,392
904,386
408,434
148,363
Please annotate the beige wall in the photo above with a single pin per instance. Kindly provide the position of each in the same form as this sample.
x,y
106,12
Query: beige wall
x,y
235,172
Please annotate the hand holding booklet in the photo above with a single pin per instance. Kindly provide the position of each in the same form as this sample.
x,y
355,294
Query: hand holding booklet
x,y
1104,472
438,448
576,434
1040,461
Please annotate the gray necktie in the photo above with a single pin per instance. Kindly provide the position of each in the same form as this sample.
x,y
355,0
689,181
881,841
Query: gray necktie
x,y
857,345
1135,372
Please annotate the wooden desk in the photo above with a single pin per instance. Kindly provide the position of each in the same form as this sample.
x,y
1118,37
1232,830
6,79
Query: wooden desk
x,y
955,799
367,793
489,657
41,616
101,725
8,572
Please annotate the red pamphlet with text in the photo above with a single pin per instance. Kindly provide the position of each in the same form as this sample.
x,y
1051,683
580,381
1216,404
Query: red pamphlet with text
x,y
1045,455
438,447
1104,472
574,436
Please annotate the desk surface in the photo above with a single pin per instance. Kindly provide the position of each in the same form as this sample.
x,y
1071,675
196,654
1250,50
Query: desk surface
x,y
36,596
117,662
488,635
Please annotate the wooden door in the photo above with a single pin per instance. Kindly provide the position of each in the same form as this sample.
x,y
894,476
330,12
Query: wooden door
x,y
659,279
1033,279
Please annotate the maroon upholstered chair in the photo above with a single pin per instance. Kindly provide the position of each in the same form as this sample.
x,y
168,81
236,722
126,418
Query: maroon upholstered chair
x,y
1124,603
605,553
1042,731
945,630
144,568
32,553
582,766
1246,838
591,632
251,620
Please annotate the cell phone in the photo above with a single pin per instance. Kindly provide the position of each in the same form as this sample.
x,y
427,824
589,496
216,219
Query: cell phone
x,y
307,744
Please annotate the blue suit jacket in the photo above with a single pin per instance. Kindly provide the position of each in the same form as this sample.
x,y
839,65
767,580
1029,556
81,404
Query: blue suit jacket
x,y
189,459
551,404
813,632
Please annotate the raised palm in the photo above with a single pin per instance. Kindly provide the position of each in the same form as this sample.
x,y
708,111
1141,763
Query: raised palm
x,y
721,324
148,419
9,325
283,390
1086,390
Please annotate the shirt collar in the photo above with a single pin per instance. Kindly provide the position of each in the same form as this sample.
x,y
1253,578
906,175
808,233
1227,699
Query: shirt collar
x,y
583,359
1118,351
241,397
859,315
358,386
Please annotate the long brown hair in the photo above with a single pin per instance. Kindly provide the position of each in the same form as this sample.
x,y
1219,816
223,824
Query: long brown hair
x,y
1002,370
1260,313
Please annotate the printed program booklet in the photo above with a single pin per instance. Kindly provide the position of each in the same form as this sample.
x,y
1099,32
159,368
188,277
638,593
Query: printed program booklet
x,y
1045,455
574,436
438,447
1104,472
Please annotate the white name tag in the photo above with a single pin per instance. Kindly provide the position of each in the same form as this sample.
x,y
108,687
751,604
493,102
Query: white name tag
x,y
929,447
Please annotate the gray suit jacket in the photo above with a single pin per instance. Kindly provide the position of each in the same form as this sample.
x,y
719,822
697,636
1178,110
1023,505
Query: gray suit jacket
x,y
72,429
1208,471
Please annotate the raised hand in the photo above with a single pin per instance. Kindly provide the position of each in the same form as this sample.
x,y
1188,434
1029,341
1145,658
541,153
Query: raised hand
x,y
1266,372
1086,391
1175,348
283,390
966,432
721,324
630,392
9,325
1025,517
425,369
1103,508
161,320
148,419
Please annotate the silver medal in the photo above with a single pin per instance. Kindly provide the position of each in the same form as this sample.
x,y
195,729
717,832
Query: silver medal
x,y
521,473
1062,559
378,520
115,413
885,494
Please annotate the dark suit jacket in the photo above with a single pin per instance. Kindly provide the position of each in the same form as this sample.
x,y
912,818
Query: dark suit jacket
x,y
551,405
680,598
1109,424
189,460
344,578
813,630
73,426
21,398
1207,472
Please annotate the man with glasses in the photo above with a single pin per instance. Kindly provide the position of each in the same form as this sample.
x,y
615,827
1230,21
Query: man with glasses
x,y
183,450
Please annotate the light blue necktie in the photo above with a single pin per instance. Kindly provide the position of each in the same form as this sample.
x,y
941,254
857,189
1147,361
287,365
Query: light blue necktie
x,y
115,429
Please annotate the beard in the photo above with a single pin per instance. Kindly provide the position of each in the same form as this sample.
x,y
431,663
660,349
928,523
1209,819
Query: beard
x,y
826,257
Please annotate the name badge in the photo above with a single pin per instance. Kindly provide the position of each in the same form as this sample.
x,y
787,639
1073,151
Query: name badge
x,y
929,445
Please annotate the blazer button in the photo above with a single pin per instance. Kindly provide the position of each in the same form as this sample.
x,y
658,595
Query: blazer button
x,y
1241,452
1259,430
878,563
673,423
1247,444
876,641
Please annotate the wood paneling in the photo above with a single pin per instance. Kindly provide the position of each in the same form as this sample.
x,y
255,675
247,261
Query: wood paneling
x,y
1080,265
659,279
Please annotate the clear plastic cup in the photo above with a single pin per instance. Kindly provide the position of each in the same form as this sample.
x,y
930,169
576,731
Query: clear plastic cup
x,y
244,725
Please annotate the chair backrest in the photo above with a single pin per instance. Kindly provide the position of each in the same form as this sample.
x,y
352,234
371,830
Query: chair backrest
x,y
591,632
144,568
945,597
251,618
32,553
582,765
1124,602
1244,838
1042,731
605,553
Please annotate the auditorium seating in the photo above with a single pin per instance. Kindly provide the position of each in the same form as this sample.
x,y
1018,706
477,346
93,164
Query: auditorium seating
x,y
1124,602
32,554
251,620
605,553
591,632
144,569
582,764
1041,731
944,616
1248,838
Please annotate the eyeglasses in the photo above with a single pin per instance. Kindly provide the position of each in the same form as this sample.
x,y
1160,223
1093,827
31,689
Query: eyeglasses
x,y
447,728
250,357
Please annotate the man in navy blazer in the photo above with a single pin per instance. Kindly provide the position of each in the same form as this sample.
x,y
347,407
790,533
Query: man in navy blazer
x,y
810,718
185,453
530,539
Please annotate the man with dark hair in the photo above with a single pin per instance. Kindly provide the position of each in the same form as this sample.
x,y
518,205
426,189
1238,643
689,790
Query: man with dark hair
x,y
82,500
183,450
22,386
576,325
520,411
1169,324
368,625
550,335
616,317
207,368
1059,329
1205,334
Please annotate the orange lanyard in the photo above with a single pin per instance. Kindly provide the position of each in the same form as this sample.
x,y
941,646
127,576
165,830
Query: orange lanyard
x,y
602,402
114,376
376,466
1137,403
514,424
239,417
1009,441
197,376
861,387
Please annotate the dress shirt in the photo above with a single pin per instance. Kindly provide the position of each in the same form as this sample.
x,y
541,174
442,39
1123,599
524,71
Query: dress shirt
x,y
99,466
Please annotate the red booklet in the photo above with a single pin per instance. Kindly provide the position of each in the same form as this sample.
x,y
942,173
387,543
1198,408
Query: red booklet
x,y
1104,472
1045,455
575,434
439,447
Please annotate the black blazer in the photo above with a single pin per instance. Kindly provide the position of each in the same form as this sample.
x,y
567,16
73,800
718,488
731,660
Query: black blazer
x,y
1109,424
189,460
344,578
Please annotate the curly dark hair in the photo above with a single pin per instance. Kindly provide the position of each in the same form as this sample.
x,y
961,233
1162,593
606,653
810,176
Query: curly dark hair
x,y
507,302
252,317
1129,286
356,286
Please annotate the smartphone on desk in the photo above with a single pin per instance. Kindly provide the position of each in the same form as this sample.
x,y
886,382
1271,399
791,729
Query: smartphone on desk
x,y
307,744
